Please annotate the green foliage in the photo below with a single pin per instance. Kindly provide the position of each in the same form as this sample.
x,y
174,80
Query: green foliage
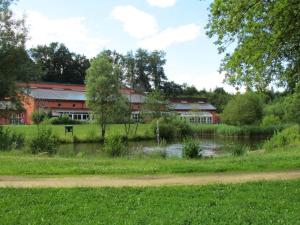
x,y
239,150
191,148
172,127
103,90
289,136
285,158
271,120
63,119
293,108
16,65
55,56
243,109
155,105
115,145
224,130
10,140
39,116
44,141
264,36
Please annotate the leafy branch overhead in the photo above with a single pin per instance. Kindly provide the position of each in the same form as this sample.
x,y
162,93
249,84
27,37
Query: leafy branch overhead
x,y
260,39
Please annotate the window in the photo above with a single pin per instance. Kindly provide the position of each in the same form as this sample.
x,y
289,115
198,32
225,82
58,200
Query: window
x,y
135,117
59,105
74,105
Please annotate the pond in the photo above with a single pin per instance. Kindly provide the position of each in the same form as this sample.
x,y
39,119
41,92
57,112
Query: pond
x,y
210,147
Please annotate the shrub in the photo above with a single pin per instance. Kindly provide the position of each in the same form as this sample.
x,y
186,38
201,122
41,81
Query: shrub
x,y
65,120
288,136
10,140
39,116
115,145
44,141
191,148
271,120
243,109
239,150
172,127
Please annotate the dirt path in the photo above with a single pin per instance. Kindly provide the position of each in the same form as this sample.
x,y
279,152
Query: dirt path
x,y
142,181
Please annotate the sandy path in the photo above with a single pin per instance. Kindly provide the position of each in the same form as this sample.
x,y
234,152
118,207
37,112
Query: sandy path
x,y
142,181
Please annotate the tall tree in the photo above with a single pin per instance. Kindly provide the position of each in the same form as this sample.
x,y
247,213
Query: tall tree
x,y
261,39
142,70
118,60
59,64
103,90
157,61
15,64
130,75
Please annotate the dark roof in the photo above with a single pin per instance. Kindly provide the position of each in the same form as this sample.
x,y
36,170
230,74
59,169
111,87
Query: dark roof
x,y
192,106
188,100
72,95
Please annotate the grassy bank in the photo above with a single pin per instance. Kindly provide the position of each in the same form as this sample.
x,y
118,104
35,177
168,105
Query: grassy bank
x,y
223,130
91,132
13,163
251,203
85,132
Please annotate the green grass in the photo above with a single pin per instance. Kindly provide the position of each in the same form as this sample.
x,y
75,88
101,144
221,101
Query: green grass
x,y
259,203
224,130
13,163
84,133
91,132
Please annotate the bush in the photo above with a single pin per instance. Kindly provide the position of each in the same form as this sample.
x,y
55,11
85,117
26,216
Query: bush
x,y
239,150
288,136
63,120
39,116
10,140
115,145
243,109
271,120
191,148
172,127
44,141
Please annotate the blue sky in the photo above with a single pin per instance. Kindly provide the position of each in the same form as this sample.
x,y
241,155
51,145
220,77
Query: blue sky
x,y
175,26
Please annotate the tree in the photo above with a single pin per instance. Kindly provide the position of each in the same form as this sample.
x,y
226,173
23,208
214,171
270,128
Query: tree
x,y
219,98
156,68
59,64
15,64
171,89
103,90
243,109
142,80
261,39
118,60
155,104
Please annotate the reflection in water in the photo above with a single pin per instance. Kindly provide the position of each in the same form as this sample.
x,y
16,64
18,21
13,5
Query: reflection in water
x,y
210,147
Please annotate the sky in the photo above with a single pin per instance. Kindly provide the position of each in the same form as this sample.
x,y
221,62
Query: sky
x,y
174,26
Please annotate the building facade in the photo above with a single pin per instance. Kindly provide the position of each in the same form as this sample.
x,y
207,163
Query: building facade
x,y
195,110
63,99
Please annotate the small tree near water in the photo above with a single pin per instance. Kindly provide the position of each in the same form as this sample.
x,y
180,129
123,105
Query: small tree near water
x,y
103,90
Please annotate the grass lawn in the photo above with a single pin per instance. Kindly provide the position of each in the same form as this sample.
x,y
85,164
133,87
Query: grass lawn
x,y
84,133
251,203
18,163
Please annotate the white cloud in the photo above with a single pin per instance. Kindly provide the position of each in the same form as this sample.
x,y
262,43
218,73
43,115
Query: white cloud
x,y
171,36
162,3
136,23
73,32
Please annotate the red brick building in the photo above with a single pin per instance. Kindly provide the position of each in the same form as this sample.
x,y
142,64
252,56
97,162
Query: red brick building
x,y
63,99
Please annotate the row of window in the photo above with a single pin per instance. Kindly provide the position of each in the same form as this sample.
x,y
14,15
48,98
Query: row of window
x,y
77,116
200,120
